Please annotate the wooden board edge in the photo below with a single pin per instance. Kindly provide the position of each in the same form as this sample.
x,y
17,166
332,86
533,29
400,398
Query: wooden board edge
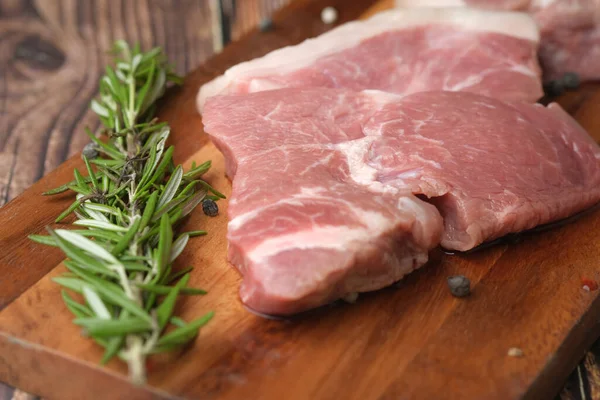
x,y
47,370
581,338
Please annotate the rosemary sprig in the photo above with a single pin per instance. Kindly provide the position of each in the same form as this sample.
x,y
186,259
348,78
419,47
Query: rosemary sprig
x,y
121,265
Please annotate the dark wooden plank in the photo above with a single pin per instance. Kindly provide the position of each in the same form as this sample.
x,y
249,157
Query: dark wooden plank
x,y
51,56
246,15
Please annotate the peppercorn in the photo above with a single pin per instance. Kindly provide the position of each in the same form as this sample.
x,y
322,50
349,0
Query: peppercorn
x,y
265,25
554,88
210,207
460,286
90,151
570,81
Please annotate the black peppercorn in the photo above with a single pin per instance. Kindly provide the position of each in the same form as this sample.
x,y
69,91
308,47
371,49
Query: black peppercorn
x,y
265,25
570,81
460,286
210,208
554,88
90,151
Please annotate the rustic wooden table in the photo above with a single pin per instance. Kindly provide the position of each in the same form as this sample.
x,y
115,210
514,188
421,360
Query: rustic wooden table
x,y
52,53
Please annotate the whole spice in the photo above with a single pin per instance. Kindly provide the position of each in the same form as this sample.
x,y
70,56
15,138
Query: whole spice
x,y
210,208
570,81
90,151
127,208
265,25
459,285
554,88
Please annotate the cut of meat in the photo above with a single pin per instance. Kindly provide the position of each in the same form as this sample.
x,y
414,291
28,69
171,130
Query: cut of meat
x,y
304,227
570,30
330,184
404,51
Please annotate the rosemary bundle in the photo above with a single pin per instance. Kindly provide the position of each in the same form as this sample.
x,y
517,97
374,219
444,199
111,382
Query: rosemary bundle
x,y
120,257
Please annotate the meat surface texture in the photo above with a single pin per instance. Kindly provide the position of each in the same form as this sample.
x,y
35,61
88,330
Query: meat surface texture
x,y
336,191
570,30
404,51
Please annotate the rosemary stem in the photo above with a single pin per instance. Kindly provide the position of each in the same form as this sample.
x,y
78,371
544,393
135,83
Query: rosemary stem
x,y
136,359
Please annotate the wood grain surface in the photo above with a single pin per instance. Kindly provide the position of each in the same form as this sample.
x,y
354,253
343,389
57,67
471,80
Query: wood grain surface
x,y
404,342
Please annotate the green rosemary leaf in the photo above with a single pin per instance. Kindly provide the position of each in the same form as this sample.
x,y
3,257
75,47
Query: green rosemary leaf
x,y
98,234
192,202
135,266
105,162
105,148
149,210
43,239
78,309
79,179
196,233
75,284
186,333
162,289
99,109
168,207
175,275
69,210
86,245
178,322
162,166
165,241
189,189
95,303
90,172
171,187
101,208
90,223
79,256
196,172
213,190
117,297
143,101
126,239
165,309
112,348
81,190
178,247
105,328
79,268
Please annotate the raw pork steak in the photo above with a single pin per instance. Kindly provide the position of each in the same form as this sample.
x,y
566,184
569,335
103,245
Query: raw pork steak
x,y
570,30
404,51
324,197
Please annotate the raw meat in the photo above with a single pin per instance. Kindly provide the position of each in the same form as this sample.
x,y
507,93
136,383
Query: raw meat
x,y
330,185
570,30
404,51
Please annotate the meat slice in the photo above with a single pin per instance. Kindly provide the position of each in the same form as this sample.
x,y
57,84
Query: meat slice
x,y
404,51
328,183
570,30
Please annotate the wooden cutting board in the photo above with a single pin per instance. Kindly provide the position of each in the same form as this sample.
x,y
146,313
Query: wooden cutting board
x,y
410,341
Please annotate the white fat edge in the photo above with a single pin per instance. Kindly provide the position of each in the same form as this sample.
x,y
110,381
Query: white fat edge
x,y
323,236
348,35
209,89
542,3
294,199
